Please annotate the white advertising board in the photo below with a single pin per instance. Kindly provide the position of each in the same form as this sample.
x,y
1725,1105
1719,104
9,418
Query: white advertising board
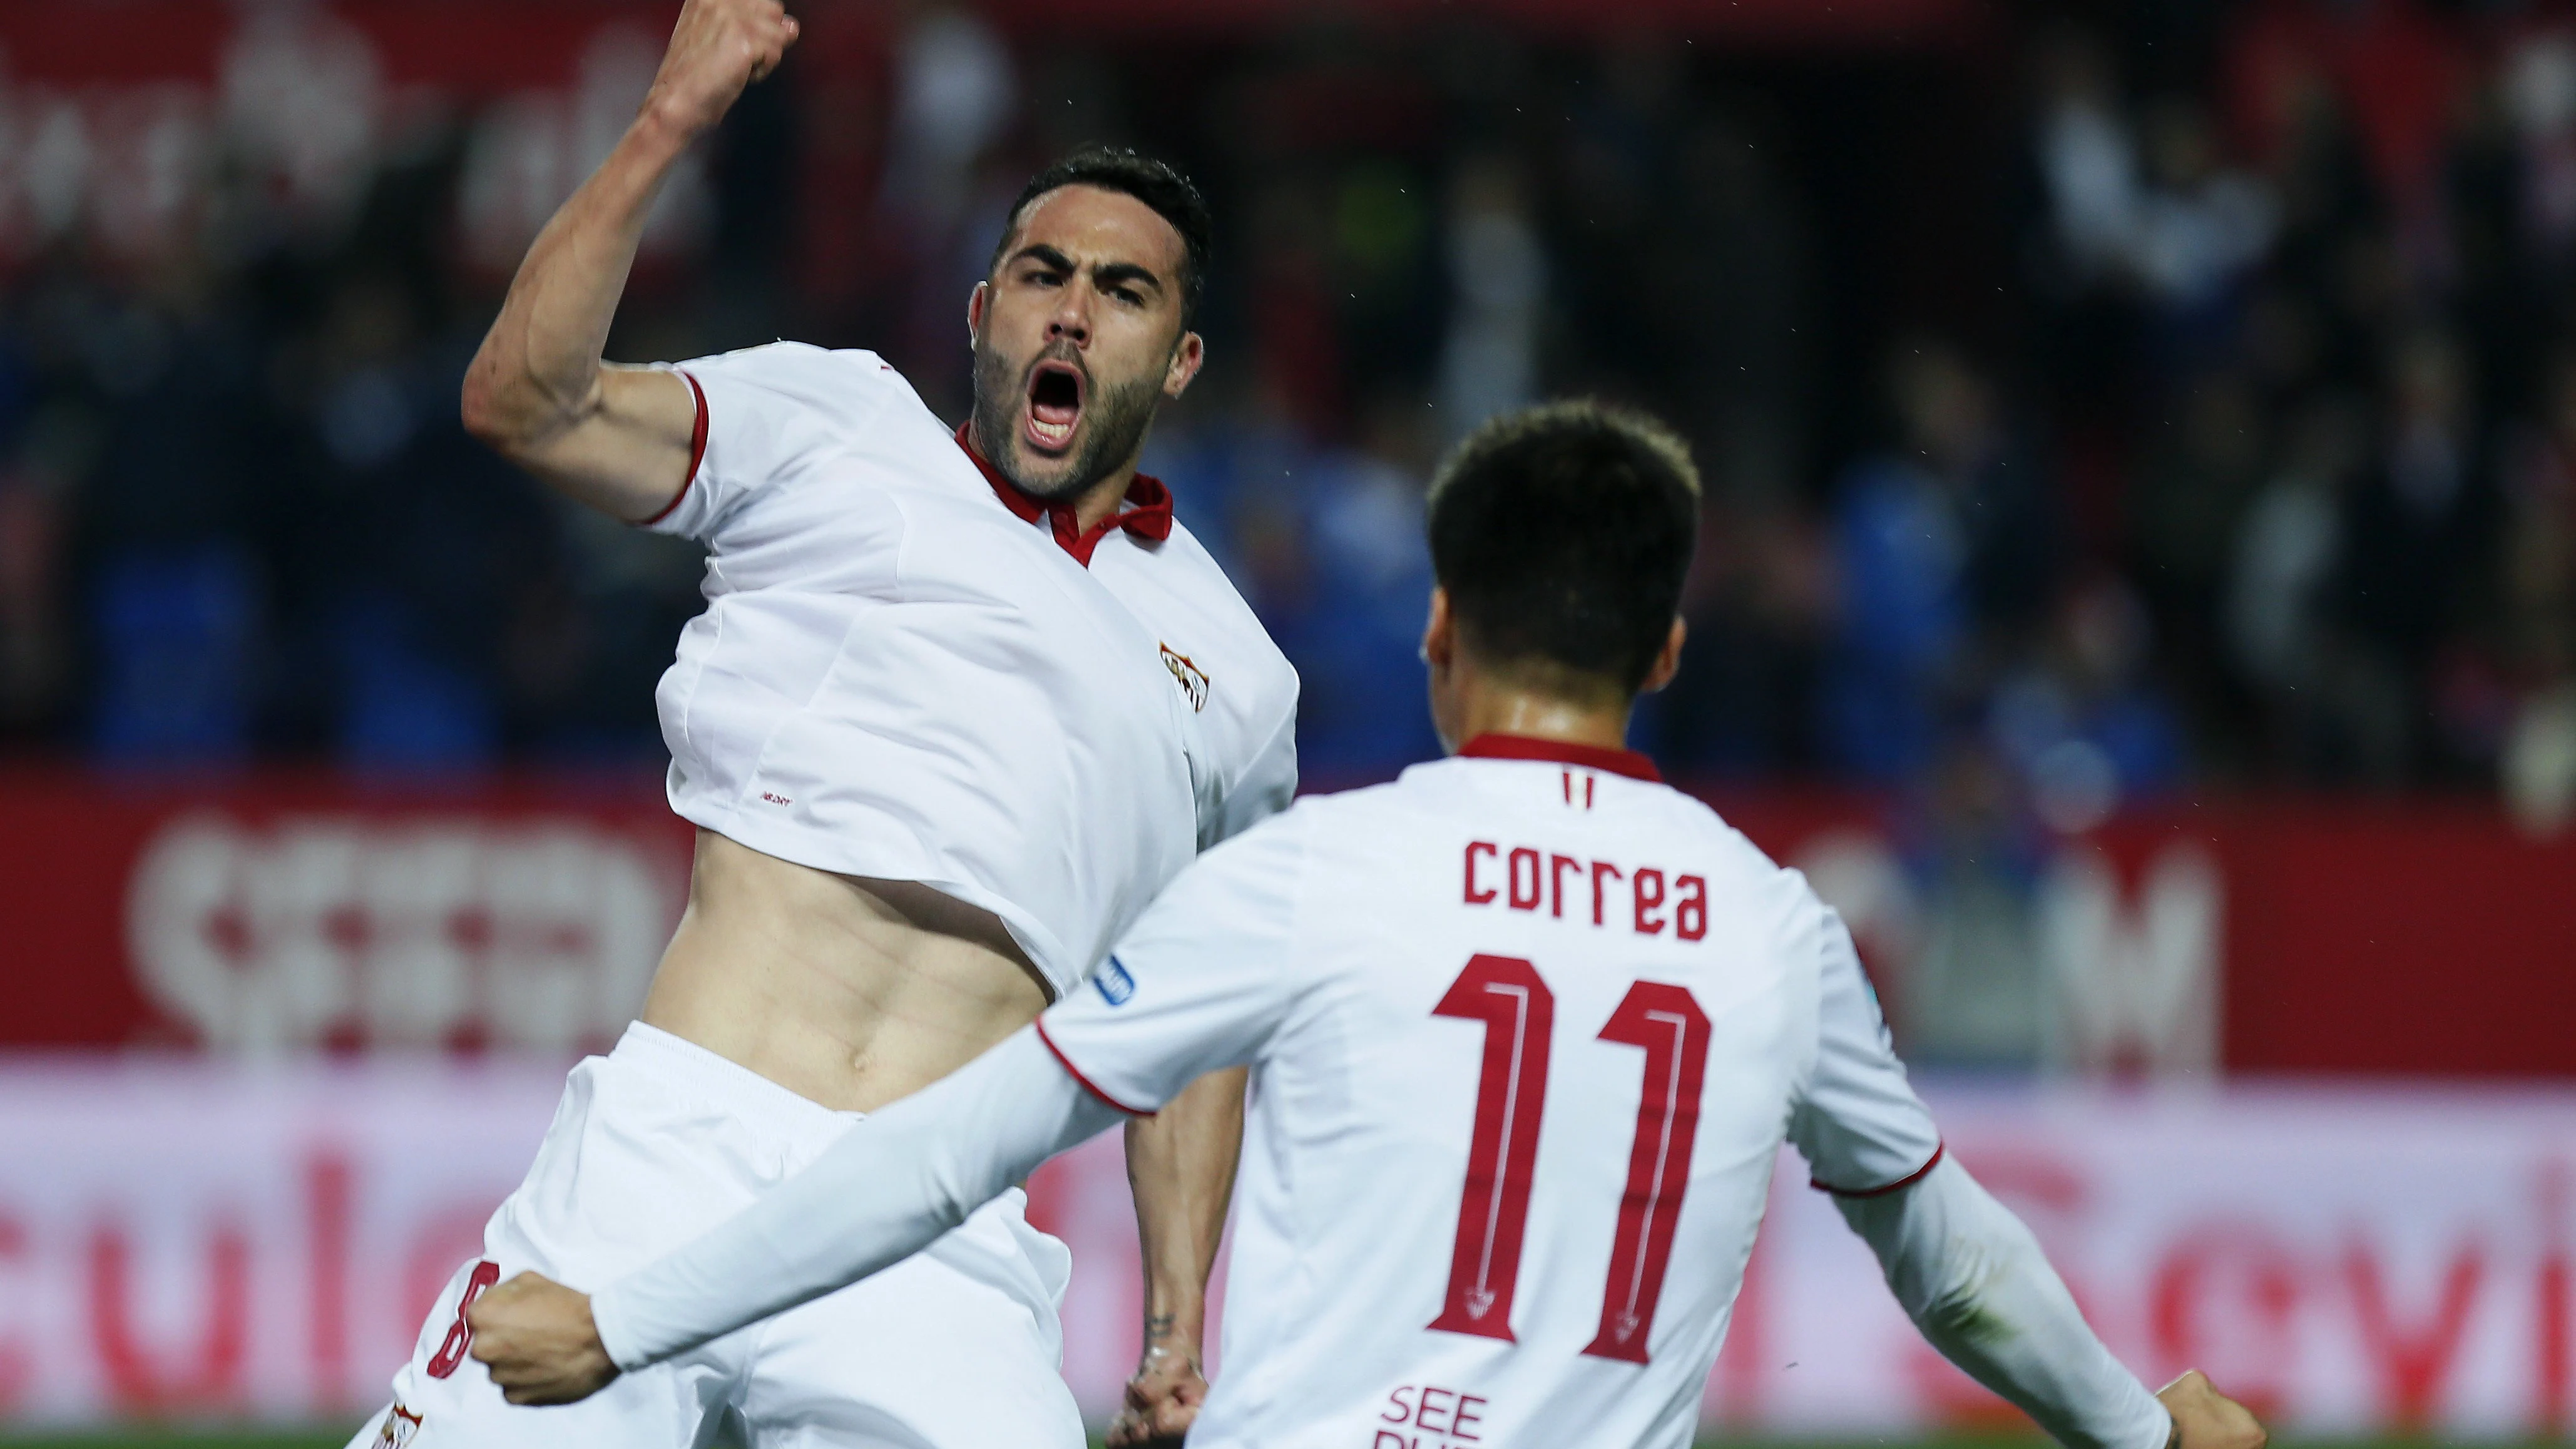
x,y
191,1238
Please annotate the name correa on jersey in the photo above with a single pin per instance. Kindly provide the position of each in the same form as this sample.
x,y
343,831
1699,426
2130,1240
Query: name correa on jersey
x,y
1526,877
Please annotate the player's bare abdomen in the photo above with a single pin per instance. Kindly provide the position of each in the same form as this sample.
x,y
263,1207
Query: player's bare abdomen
x,y
852,993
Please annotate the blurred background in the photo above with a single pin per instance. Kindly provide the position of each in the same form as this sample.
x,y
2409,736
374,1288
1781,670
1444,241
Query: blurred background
x,y
2137,583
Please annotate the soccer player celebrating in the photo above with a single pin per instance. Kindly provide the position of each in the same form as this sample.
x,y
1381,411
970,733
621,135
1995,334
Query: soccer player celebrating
x,y
959,705
1526,1030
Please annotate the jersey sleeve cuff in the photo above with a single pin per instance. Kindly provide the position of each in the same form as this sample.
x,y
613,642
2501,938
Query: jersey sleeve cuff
x,y
608,1320
697,455
1908,1180
1085,1082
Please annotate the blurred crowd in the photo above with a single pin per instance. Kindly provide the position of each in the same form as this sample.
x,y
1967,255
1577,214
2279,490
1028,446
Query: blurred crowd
x,y
2083,422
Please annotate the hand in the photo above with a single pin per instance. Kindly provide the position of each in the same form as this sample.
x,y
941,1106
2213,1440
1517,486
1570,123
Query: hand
x,y
2204,1418
718,47
1162,1400
539,1341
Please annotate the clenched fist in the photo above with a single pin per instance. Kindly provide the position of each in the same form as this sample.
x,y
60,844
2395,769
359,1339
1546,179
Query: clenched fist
x,y
1163,1400
538,1339
2204,1418
718,47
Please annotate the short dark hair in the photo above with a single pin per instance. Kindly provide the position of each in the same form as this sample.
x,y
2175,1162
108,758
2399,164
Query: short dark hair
x,y
1562,533
1166,191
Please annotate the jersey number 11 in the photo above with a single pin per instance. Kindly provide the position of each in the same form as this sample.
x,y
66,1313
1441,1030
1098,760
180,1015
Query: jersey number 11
x,y
1519,1012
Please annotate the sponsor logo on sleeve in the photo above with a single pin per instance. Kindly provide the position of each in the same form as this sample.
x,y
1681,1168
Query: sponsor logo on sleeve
x,y
1116,986
1192,679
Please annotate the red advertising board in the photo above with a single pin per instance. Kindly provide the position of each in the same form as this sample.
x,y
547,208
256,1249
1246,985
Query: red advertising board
x,y
265,914
270,913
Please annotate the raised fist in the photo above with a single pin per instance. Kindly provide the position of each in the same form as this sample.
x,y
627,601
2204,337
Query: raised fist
x,y
718,47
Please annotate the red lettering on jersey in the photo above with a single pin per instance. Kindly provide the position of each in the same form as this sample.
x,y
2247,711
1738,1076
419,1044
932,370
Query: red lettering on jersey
x,y
1650,894
460,1334
1663,1019
1519,1015
1690,908
1477,897
1567,777
1533,876
1588,782
1453,1410
1522,902
1601,868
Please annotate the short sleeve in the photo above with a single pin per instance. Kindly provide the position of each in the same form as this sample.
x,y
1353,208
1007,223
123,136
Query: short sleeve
x,y
1267,786
762,413
1201,982
1860,1126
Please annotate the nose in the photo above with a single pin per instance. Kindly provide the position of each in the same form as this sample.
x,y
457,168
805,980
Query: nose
x,y
1072,319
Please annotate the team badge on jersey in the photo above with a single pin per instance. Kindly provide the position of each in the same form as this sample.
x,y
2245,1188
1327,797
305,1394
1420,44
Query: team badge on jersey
x,y
1116,986
1192,679
400,1425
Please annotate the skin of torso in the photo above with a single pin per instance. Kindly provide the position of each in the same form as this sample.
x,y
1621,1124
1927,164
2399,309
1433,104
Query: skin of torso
x,y
851,992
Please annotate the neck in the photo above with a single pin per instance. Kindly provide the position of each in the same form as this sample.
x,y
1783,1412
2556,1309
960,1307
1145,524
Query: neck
x,y
1096,503
1093,503
1495,709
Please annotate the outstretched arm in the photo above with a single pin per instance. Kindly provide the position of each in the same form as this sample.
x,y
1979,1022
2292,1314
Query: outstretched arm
x,y
1968,1272
1976,1284
1180,1166
615,438
891,1185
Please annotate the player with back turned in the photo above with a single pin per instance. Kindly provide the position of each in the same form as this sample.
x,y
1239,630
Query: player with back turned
x,y
961,701
1527,1030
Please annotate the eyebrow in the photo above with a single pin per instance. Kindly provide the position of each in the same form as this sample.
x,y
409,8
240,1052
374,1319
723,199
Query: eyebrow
x,y
1106,274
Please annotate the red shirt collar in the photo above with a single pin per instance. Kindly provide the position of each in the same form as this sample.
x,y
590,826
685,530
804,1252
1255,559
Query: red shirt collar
x,y
1564,752
1148,517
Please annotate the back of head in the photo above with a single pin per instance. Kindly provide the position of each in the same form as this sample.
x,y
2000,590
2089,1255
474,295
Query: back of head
x,y
1561,534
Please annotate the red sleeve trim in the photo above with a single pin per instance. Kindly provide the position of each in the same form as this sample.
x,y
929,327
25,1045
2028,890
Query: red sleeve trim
x,y
1908,1180
1075,1072
697,454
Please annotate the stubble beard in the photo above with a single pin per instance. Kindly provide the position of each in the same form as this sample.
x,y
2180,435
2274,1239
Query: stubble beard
x,y
1114,423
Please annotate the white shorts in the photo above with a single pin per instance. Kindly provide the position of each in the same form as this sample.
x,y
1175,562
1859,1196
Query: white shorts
x,y
957,1347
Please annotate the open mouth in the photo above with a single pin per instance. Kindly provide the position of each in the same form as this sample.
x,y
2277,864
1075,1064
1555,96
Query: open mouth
x,y
1055,405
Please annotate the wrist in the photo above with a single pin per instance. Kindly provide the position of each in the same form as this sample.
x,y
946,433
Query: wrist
x,y
1176,1329
660,129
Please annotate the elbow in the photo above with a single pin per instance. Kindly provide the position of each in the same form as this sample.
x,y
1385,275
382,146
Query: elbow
x,y
485,413
511,416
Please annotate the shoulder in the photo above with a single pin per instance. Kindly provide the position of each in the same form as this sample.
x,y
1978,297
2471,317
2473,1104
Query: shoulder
x,y
1734,863
1369,822
830,378
1255,873
1268,681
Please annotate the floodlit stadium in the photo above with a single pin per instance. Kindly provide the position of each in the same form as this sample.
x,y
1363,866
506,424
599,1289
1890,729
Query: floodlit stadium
x,y
650,654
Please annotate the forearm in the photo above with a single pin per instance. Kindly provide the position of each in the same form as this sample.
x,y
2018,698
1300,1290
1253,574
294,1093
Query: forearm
x,y
888,1188
538,371
1976,1284
1180,1166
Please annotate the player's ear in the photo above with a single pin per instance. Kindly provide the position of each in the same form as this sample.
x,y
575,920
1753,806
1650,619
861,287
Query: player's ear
x,y
1187,358
975,312
1668,660
1440,633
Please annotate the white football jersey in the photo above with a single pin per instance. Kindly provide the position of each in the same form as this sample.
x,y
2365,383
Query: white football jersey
x,y
903,672
1527,1029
